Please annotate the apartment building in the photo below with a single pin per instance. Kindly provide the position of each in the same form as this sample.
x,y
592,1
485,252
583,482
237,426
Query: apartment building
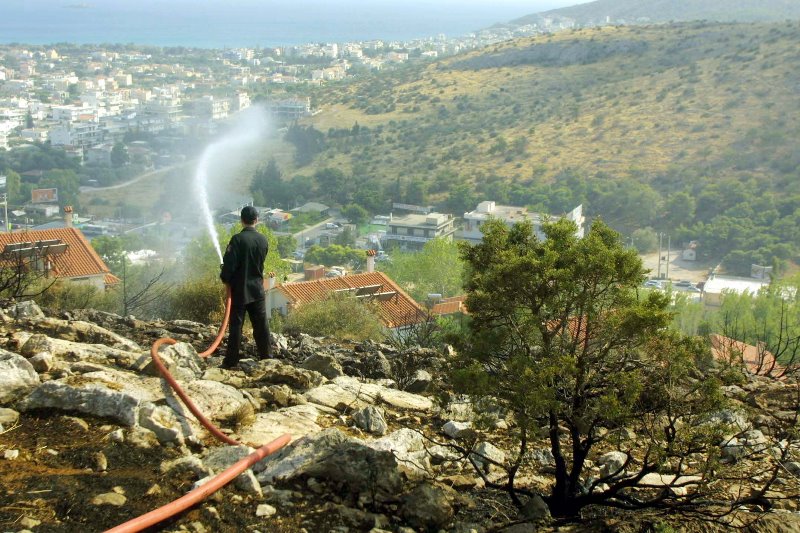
x,y
511,215
411,232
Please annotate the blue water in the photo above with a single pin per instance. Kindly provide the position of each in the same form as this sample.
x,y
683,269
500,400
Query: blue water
x,y
257,23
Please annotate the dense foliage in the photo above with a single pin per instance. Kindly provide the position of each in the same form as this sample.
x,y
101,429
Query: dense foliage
x,y
560,338
688,129
339,316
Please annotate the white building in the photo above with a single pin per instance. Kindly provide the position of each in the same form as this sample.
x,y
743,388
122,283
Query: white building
x,y
511,215
715,287
82,134
412,231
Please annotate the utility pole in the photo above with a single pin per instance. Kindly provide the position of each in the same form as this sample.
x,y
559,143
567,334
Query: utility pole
x,y
669,246
5,211
660,235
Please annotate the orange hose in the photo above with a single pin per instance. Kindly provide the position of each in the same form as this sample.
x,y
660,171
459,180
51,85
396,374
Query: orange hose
x,y
200,493
224,325
183,396
227,475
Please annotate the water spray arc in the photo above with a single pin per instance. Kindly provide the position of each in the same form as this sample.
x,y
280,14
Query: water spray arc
x,y
224,146
248,129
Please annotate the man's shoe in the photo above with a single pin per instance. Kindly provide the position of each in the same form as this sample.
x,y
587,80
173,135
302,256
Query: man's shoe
x,y
228,366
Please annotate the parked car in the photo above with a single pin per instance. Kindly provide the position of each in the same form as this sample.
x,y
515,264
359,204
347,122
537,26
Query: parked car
x,y
683,283
652,284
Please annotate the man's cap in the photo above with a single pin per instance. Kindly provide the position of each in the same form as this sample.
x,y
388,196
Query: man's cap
x,y
249,214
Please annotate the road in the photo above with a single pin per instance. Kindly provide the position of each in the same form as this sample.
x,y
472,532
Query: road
x,y
693,271
86,188
310,232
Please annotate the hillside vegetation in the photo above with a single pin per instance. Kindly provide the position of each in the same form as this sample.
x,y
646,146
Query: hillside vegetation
x,y
685,128
674,10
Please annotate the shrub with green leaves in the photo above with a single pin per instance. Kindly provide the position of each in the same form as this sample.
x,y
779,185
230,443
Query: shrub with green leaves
x,y
339,316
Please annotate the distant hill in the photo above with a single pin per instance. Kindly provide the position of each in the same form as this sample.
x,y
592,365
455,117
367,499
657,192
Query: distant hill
x,y
656,11
690,128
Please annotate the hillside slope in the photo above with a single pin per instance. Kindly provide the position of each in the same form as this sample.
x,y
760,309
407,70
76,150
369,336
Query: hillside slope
x,y
632,11
708,111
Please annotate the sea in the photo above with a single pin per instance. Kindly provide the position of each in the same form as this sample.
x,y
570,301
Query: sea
x,y
251,23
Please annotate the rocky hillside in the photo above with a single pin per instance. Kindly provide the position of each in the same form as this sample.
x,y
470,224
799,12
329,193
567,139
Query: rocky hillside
x,y
92,437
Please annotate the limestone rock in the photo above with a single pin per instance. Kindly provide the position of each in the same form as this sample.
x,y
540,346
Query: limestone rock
x,y
109,498
17,377
181,360
408,448
427,507
325,364
109,394
298,421
331,455
217,401
421,382
43,362
265,510
27,309
612,463
273,372
10,455
74,352
486,454
166,424
189,463
536,509
220,458
543,456
84,332
456,430
347,392
371,419
8,417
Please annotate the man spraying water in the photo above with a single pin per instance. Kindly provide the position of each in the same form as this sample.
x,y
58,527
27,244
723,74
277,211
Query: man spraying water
x,y
243,273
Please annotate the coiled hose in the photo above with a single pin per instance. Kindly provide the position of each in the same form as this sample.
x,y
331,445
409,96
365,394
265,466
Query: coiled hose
x,y
220,480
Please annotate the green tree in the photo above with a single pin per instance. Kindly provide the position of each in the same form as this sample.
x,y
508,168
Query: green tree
x,y
334,254
13,188
67,183
119,155
436,269
560,337
645,240
286,245
416,192
339,316
355,214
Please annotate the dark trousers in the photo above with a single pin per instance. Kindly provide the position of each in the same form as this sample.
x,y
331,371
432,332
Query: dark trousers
x,y
257,311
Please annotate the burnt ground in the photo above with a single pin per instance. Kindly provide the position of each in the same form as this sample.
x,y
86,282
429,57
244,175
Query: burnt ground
x,y
53,481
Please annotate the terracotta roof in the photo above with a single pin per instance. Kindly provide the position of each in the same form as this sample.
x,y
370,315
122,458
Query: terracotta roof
x,y
396,310
79,260
756,359
450,306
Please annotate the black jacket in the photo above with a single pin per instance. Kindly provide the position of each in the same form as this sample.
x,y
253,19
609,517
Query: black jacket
x,y
243,266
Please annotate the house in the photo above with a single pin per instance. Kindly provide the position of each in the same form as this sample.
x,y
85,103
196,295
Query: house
x,y
716,286
511,215
756,359
396,308
412,231
64,253
312,207
454,305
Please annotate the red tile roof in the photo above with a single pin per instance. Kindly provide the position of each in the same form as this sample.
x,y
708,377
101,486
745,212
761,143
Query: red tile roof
x,y
756,359
396,310
450,306
78,261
